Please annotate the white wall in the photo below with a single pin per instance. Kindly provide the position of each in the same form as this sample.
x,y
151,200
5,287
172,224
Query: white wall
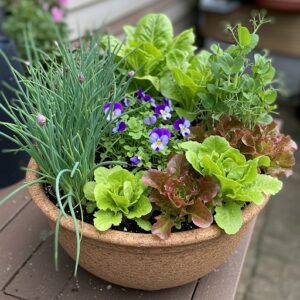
x,y
85,15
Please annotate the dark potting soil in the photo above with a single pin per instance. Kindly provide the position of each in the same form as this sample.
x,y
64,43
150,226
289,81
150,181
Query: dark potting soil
x,y
127,225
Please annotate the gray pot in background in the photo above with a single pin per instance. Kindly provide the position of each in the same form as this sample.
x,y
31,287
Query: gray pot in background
x,y
10,163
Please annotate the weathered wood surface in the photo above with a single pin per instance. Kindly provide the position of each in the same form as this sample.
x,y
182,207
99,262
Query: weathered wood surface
x,y
27,269
12,207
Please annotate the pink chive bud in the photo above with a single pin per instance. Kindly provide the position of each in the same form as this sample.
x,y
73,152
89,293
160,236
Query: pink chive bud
x,y
131,73
41,119
81,77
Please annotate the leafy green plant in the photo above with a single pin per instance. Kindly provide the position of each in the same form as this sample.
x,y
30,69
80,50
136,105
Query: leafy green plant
x,y
239,178
204,85
117,194
180,194
30,15
261,140
151,49
131,142
58,118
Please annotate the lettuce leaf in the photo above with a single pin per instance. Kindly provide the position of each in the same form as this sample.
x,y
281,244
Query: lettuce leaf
x,y
239,178
229,217
262,140
179,193
156,29
117,194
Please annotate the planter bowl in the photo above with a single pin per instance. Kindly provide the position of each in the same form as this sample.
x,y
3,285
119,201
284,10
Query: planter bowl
x,y
143,261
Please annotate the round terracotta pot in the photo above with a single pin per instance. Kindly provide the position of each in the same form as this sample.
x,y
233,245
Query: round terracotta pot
x,y
143,261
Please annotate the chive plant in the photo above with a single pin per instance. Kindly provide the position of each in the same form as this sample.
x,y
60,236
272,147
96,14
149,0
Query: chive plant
x,y
58,118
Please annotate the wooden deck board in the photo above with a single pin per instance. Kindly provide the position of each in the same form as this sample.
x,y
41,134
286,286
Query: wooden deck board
x,y
27,272
4,296
19,239
37,279
13,206
91,287
222,283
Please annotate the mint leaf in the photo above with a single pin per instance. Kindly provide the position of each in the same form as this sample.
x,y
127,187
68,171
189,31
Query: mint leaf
x,y
229,217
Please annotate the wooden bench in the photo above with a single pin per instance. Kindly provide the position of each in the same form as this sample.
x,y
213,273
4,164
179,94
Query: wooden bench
x,y
27,268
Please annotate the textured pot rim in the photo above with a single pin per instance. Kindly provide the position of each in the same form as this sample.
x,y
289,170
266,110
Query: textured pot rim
x,y
126,238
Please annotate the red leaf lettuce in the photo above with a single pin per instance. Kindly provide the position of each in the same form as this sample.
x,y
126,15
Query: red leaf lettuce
x,y
262,140
180,192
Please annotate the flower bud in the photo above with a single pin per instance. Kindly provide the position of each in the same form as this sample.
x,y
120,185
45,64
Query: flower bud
x,y
131,73
81,77
41,119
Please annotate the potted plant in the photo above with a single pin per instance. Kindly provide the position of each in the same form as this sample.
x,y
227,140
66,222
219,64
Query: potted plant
x,y
150,160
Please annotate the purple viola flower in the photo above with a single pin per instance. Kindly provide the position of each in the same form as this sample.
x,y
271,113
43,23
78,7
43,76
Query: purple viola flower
x,y
116,111
141,95
183,126
126,101
147,97
163,110
120,126
150,120
41,119
152,101
159,138
168,102
135,160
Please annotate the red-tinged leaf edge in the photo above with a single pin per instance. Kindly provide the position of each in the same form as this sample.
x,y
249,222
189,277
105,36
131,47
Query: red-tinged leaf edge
x,y
162,227
201,215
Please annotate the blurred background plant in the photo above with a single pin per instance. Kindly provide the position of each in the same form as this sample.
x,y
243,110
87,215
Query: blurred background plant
x,y
41,16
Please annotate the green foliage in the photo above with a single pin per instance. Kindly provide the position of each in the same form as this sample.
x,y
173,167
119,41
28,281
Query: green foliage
x,y
259,141
152,51
180,194
27,15
118,194
229,217
58,119
206,85
75,121
134,140
239,178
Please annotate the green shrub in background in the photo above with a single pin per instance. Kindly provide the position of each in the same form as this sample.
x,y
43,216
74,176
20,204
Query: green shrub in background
x,y
43,18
